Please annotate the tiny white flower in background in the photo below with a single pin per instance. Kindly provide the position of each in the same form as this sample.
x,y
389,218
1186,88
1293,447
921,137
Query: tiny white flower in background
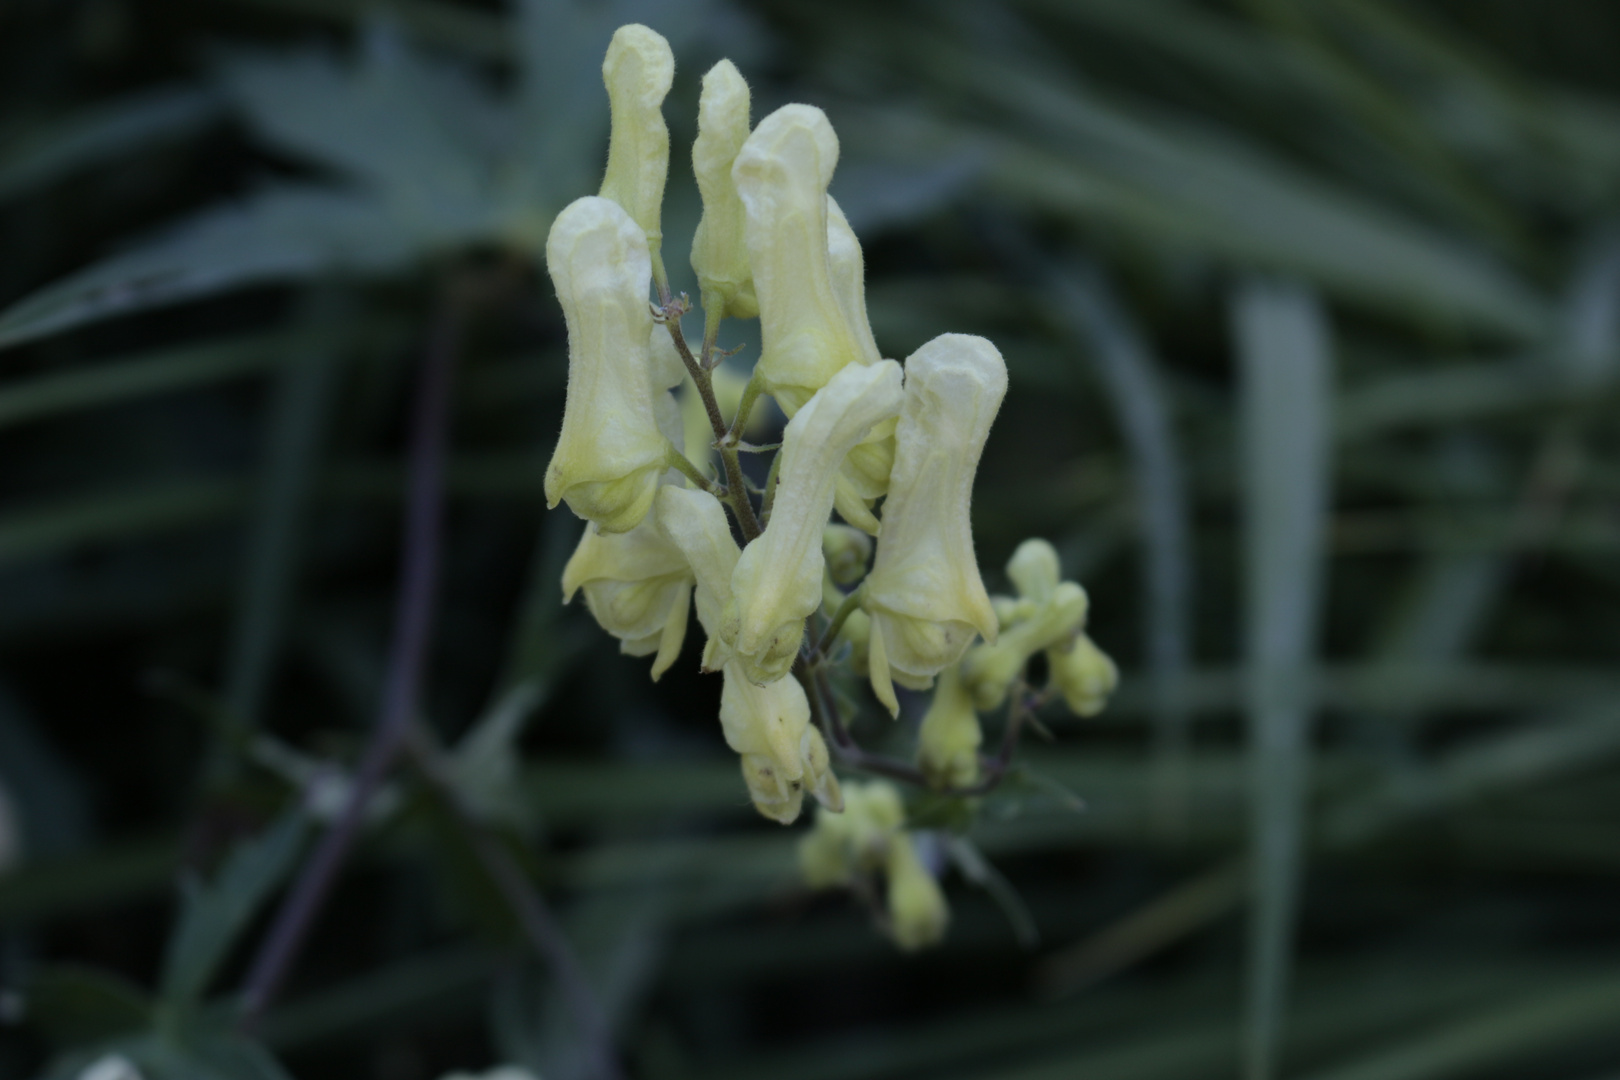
x,y
110,1067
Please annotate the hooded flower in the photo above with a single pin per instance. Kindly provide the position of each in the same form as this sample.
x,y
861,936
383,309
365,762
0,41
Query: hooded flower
x,y
610,452
924,594
1083,674
917,911
777,582
782,754
864,477
638,587
638,71
781,175
719,247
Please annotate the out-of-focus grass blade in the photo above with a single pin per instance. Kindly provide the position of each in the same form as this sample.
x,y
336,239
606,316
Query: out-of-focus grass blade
x,y
274,236
467,30
69,144
1448,395
98,517
44,792
294,425
1190,185
1130,373
1284,349
214,914
148,373
1492,1040
1148,929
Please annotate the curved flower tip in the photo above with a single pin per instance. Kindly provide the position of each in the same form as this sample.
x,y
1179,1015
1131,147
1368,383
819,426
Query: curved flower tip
x,y
638,588
720,246
777,582
638,71
781,175
948,741
924,594
610,453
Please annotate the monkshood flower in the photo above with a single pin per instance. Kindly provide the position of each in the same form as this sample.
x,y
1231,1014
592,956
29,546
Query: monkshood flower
x,y
868,841
948,740
639,588
783,756
781,175
924,594
719,246
777,582
638,71
610,453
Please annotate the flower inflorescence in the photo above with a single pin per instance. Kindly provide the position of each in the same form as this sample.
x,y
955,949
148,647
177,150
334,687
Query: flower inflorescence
x,y
861,430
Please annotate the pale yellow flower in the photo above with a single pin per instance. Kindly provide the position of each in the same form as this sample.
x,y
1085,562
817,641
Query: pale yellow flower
x,y
864,477
948,740
719,246
781,175
847,552
924,593
610,453
638,71
843,846
783,755
917,910
777,582
638,586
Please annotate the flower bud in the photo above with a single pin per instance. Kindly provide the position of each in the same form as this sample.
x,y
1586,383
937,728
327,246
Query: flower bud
x,y
1084,674
781,175
948,741
917,911
638,71
610,453
719,246
847,552
638,587
777,582
1035,570
988,670
924,593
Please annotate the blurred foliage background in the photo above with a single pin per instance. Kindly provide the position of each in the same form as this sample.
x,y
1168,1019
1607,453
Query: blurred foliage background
x,y
1312,313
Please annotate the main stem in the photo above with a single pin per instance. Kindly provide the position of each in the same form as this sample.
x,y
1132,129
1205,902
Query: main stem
x,y
698,367
418,582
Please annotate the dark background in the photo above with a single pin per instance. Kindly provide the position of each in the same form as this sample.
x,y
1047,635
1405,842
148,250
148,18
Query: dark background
x,y
1312,315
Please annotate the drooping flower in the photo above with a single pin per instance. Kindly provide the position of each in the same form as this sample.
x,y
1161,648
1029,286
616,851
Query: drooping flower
x,y
777,582
1083,674
989,669
611,452
638,71
783,756
781,175
924,594
638,587
917,911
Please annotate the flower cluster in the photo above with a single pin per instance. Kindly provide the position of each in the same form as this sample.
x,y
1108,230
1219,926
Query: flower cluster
x,y
892,448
